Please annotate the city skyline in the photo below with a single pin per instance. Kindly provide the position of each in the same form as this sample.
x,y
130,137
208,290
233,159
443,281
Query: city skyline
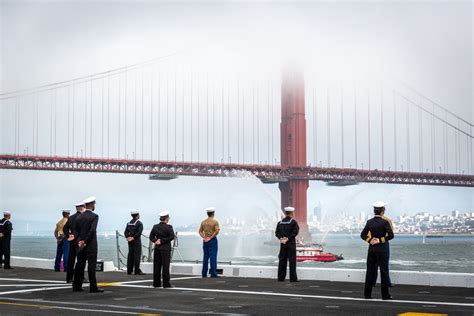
x,y
242,197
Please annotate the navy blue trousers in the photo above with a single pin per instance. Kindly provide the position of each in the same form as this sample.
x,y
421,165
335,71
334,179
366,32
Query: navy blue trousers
x,y
62,252
210,253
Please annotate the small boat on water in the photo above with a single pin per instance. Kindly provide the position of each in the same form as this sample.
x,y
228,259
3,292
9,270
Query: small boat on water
x,y
314,252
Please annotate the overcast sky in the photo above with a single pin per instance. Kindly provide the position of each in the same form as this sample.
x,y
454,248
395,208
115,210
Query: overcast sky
x,y
428,45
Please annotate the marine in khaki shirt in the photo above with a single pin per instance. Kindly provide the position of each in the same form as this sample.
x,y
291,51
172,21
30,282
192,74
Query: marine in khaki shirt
x,y
62,248
58,232
208,231
209,228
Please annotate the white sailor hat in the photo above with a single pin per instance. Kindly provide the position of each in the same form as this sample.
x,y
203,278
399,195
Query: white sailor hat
x,y
66,211
134,212
89,200
79,204
7,213
164,213
210,209
289,209
378,204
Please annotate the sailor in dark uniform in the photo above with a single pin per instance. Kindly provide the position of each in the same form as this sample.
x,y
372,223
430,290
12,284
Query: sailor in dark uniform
x,y
133,233
6,228
161,235
286,231
377,232
71,234
86,226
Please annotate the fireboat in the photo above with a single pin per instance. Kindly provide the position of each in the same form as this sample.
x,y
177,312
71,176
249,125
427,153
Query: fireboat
x,y
314,252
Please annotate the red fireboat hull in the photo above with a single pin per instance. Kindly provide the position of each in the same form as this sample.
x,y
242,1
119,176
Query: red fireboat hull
x,y
314,252
320,257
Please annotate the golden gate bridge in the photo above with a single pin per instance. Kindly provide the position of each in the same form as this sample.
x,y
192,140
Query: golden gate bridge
x,y
166,117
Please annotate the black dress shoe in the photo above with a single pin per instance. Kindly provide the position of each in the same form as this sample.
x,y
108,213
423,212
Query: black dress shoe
x,y
168,286
140,273
78,290
156,285
9,268
294,281
368,297
387,298
97,290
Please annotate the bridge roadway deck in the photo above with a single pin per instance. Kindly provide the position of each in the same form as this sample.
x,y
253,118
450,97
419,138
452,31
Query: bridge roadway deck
x,y
40,292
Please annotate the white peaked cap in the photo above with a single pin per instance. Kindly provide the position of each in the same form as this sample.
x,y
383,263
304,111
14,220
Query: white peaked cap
x,y
210,209
289,209
6,213
379,204
88,200
134,212
79,204
164,213
66,211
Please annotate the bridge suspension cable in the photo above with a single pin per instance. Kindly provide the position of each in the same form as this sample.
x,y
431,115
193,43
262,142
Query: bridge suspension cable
x,y
434,103
82,79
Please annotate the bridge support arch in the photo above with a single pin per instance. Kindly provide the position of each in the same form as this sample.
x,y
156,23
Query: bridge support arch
x,y
293,145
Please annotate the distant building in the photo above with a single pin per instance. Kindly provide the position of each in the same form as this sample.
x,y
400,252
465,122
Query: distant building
x,y
318,212
455,213
419,216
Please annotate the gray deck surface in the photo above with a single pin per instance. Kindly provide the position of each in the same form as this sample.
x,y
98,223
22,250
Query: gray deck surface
x,y
41,292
